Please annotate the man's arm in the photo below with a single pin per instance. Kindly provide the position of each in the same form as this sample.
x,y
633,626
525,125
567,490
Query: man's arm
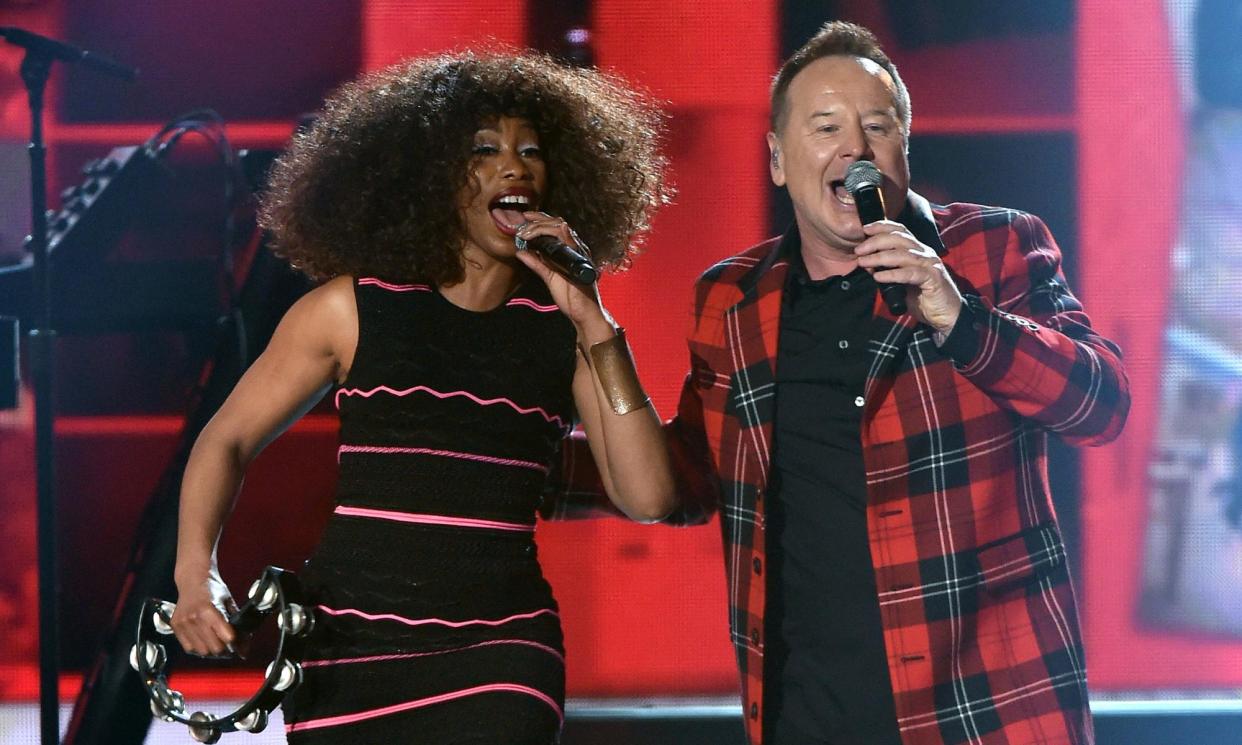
x,y
1033,350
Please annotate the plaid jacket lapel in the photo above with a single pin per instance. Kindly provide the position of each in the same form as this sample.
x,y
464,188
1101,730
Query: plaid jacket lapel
x,y
752,328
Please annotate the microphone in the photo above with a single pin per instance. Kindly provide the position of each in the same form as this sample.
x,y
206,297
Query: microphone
x,y
566,261
67,52
862,181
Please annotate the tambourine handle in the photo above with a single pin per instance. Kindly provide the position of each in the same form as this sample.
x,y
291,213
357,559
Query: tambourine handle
x,y
246,619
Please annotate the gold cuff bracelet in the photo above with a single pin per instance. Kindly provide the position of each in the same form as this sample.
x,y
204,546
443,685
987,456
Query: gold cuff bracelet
x,y
614,369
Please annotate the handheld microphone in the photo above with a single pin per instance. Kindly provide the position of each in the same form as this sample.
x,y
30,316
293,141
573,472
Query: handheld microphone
x,y
566,261
862,181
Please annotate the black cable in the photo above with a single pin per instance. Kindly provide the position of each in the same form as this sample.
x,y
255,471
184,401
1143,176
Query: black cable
x,y
208,124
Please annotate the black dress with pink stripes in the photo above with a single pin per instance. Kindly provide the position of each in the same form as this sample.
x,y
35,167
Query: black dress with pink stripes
x,y
434,622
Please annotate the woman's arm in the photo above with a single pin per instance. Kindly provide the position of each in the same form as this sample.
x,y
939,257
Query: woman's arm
x,y
312,347
628,448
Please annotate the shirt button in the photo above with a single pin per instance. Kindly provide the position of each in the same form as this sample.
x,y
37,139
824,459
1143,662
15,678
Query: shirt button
x,y
754,637
859,401
843,344
754,710
758,566
845,284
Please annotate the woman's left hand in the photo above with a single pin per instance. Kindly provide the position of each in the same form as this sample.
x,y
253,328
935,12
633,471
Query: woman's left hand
x,y
580,303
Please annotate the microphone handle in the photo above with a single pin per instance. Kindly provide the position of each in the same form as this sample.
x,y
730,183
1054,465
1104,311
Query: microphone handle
x,y
894,297
574,266
870,203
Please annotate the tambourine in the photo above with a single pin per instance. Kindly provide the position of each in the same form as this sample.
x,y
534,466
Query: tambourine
x,y
276,591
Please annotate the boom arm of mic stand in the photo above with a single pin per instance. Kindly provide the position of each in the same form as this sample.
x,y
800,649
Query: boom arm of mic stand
x,y
59,50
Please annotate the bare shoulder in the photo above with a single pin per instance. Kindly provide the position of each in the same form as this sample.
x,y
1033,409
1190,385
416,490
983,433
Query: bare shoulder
x,y
322,309
334,299
325,320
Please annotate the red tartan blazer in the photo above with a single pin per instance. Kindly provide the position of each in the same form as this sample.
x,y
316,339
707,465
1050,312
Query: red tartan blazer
x,y
979,617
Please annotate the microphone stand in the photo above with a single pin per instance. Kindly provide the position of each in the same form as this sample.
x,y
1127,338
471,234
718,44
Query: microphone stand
x,y
35,69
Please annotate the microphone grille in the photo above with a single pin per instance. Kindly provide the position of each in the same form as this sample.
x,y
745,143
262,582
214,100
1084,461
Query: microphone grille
x,y
862,173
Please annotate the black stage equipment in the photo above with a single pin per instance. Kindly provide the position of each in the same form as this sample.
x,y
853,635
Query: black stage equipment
x,y
36,66
113,707
92,292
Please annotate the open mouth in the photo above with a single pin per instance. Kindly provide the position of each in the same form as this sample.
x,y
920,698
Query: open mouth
x,y
839,191
507,208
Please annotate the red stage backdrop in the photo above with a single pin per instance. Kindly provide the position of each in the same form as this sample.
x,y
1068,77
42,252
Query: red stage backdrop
x,y
643,606
1146,629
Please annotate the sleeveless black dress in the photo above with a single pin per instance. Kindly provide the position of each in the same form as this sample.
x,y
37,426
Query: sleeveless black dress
x,y
434,623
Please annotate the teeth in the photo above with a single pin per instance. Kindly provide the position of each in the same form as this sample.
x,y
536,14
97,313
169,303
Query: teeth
x,y
514,200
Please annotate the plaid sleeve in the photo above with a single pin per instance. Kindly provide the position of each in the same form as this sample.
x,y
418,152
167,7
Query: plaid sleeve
x,y
1035,352
697,485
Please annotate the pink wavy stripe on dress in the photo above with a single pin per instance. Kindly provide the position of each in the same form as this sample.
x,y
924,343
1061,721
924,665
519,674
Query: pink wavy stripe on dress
x,y
419,703
394,288
450,394
376,449
532,304
415,517
436,621
411,655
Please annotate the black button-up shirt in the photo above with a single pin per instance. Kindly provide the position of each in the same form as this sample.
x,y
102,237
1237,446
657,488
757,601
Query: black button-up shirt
x,y
826,670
